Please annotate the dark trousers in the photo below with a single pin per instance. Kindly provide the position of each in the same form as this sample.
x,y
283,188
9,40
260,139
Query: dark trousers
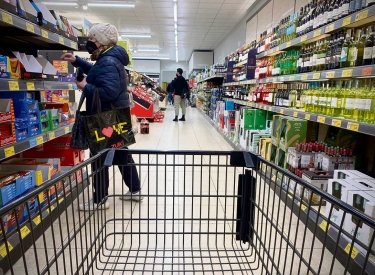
x,y
101,179
170,97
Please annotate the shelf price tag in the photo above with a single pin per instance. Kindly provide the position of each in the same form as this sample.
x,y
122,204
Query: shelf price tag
x,y
346,21
270,109
336,122
307,116
37,220
282,111
51,135
324,226
304,38
24,232
61,200
330,74
366,71
45,33
316,76
9,152
353,126
361,15
7,18
13,86
304,77
291,78
61,40
3,249
39,140
73,45
70,87
303,207
347,73
317,32
354,250
277,48
30,27
30,86
321,119
330,28
289,44
281,78
66,130
295,114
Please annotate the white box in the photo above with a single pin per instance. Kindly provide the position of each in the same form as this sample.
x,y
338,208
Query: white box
x,y
362,175
353,174
243,138
362,184
365,203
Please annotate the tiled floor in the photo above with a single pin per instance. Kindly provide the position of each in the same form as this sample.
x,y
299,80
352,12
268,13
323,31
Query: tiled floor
x,y
186,223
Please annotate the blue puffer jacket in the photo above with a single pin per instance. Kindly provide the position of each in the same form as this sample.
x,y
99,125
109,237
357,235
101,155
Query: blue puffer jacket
x,y
108,75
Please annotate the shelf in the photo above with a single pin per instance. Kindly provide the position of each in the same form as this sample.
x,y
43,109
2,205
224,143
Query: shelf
x,y
364,128
309,216
352,72
240,64
214,77
202,98
360,18
38,34
34,85
21,146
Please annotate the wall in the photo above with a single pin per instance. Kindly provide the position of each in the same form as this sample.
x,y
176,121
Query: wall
x,y
168,70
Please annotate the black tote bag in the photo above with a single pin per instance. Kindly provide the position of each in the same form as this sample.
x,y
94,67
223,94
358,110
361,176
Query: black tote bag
x,y
79,138
108,129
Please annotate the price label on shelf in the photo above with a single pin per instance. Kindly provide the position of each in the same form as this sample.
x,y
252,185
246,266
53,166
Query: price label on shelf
x,y
271,51
30,27
361,15
317,32
353,126
336,122
70,87
24,232
295,114
307,116
304,77
61,40
32,143
37,220
303,207
39,140
281,78
354,250
346,21
270,109
3,249
7,18
324,226
66,130
277,48
288,44
366,71
321,119
45,33
347,73
73,45
51,135
282,111
13,86
52,208
330,28
9,152
316,76
290,196
61,200
304,38
30,86
330,74
292,78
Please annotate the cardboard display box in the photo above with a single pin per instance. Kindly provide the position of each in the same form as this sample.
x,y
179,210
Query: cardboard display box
x,y
293,131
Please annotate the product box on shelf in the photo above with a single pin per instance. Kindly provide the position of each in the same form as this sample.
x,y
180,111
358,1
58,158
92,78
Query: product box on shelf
x,y
29,111
25,97
292,131
9,220
8,192
254,139
244,139
8,134
248,119
318,179
299,159
6,110
54,96
265,148
276,129
237,121
260,119
281,159
363,202
350,175
24,180
22,129
229,105
337,163
341,137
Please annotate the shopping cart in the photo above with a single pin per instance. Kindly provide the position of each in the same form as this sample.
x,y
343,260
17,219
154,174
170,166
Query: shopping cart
x,y
202,213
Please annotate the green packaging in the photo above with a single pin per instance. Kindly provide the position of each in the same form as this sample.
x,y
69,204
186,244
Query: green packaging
x,y
293,131
276,129
260,119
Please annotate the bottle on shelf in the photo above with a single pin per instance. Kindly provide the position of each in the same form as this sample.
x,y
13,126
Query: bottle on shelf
x,y
353,49
361,47
344,61
369,47
338,50
349,100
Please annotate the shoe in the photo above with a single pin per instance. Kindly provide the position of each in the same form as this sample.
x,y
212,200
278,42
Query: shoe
x,y
175,119
132,196
182,118
91,206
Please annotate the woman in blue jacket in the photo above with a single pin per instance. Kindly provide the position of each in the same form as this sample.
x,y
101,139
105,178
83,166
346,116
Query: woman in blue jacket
x,y
108,76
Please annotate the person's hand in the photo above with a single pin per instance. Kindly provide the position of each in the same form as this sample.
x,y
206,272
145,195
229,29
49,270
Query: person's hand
x,y
81,85
68,57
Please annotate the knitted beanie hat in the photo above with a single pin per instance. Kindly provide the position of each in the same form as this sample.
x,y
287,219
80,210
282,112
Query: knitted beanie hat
x,y
104,33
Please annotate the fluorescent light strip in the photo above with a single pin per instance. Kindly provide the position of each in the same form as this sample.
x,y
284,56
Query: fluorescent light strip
x,y
175,12
136,35
176,55
145,50
60,4
111,5
149,57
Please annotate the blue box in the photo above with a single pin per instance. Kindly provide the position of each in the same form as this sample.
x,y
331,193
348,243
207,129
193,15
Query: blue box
x,y
23,129
36,129
229,105
8,193
19,96
25,182
29,111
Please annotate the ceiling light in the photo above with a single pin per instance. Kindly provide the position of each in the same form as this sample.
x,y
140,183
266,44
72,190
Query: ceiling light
x,y
136,35
145,50
175,12
175,32
150,57
111,5
175,26
60,4
175,39
176,55
85,7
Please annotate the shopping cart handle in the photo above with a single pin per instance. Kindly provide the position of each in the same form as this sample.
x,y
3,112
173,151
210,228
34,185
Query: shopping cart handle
x,y
249,162
109,158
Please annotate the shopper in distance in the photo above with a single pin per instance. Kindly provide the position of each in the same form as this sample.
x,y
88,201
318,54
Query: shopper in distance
x,y
170,91
106,76
181,90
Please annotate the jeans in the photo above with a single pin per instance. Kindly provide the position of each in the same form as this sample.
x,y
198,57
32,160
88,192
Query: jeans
x,y
101,179
170,97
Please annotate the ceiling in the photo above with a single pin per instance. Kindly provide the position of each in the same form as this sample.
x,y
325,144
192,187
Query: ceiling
x,y
202,24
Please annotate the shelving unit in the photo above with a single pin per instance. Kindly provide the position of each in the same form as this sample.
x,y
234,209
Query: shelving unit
x,y
212,78
34,85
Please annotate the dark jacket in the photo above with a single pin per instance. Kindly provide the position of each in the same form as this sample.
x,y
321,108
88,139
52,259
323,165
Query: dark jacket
x,y
179,84
108,75
170,88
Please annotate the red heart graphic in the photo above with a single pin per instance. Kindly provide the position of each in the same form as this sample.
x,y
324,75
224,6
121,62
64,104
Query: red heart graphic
x,y
108,131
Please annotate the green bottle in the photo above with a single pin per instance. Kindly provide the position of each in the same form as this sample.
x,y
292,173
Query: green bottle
x,y
349,99
344,60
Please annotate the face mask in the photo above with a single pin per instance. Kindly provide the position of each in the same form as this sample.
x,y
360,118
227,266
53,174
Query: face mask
x,y
91,47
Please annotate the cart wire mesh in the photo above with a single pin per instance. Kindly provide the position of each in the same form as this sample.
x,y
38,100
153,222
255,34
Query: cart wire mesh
x,y
202,213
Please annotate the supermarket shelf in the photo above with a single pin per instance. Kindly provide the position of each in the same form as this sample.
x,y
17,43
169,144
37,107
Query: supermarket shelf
x,y
240,64
360,18
309,216
352,72
10,20
41,222
214,77
19,147
351,125
202,98
34,85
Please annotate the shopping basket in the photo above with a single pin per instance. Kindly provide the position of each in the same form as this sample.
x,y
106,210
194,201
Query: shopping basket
x,y
202,213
